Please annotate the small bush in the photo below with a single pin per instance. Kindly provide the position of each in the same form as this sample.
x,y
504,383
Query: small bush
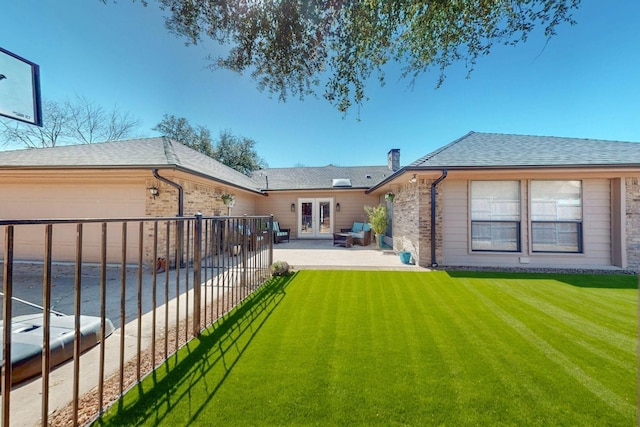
x,y
280,268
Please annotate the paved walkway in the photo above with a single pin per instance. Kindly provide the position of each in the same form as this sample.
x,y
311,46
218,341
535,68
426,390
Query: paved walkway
x,y
323,255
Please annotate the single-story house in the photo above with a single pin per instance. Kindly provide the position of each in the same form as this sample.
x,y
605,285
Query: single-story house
x,y
158,177
153,177
316,201
482,200
494,200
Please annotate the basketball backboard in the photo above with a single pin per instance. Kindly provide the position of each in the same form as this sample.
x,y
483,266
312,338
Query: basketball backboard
x,y
19,89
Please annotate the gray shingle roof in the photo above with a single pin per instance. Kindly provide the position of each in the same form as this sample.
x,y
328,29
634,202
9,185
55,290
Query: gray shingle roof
x,y
503,150
135,153
307,178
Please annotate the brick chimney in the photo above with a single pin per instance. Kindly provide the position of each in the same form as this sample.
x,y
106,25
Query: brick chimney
x,y
393,159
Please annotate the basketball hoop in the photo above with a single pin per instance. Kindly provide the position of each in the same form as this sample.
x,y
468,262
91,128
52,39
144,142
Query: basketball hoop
x,y
19,89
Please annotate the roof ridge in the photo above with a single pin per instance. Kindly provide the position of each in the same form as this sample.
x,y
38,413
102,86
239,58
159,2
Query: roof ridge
x,y
440,150
528,135
324,167
169,151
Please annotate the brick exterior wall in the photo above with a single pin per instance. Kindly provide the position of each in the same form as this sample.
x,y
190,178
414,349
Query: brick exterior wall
x,y
405,220
632,203
196,197
412,221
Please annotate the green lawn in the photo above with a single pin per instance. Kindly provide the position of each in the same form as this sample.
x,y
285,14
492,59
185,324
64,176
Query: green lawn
x,y
407,348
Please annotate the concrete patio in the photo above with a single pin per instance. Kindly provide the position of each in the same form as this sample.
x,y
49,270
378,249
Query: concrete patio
x,y
304,254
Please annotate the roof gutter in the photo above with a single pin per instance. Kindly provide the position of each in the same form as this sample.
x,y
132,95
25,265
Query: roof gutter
x,y
176,185
604,168
433,217
384,181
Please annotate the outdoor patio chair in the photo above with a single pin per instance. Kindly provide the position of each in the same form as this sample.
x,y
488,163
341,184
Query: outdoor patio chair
x,y
280,234
253,239
360,232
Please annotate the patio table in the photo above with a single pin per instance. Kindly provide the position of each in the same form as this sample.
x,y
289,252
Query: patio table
x,y
343,239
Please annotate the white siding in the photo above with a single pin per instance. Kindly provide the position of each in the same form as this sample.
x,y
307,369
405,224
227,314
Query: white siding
x,y
60,200
244,205
352,204
596,231
455,222
596,196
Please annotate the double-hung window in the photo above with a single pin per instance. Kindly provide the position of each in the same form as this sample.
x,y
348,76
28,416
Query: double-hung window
x,y
495,216
556,216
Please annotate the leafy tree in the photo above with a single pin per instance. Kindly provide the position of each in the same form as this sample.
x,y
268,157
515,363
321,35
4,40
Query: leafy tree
x,y
77,121
179,129
289,46
238,153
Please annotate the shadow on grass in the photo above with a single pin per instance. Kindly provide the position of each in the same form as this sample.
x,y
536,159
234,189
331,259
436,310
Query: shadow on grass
x,y
602,281
218,349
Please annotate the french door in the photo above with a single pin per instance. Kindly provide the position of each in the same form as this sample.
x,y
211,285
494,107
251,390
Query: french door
x,y
315,218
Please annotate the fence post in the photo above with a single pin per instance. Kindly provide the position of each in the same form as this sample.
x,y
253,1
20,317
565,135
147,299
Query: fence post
x,y
245,251
197,272
46,323
271,238
7,289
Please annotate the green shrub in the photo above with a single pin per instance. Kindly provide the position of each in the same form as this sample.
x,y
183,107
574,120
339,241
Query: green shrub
x,y
378,218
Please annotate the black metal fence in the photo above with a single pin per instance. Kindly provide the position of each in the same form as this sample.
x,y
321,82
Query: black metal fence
x,y
175,277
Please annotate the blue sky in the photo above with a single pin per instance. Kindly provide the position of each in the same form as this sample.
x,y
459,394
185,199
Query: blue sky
x,y
584,83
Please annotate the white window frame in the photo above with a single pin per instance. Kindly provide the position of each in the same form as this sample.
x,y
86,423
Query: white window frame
x,y
556,217
490,219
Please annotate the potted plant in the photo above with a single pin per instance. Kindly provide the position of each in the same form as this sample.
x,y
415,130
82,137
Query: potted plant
x,y
228,200
389,197
405,257
379,221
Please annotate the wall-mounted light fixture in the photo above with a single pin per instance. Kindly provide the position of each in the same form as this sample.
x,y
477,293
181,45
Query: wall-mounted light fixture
x,y
413,179
154,192
293,207
337,207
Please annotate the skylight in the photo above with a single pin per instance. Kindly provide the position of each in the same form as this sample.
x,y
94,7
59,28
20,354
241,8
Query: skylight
x,y
341,182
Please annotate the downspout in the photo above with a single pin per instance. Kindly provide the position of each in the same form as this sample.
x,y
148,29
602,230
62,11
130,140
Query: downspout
x,y
433,217
176,185
180,213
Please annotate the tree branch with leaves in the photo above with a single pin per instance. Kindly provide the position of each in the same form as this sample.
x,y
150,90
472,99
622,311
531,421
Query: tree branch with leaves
x,y
180,130
237,152
292,47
